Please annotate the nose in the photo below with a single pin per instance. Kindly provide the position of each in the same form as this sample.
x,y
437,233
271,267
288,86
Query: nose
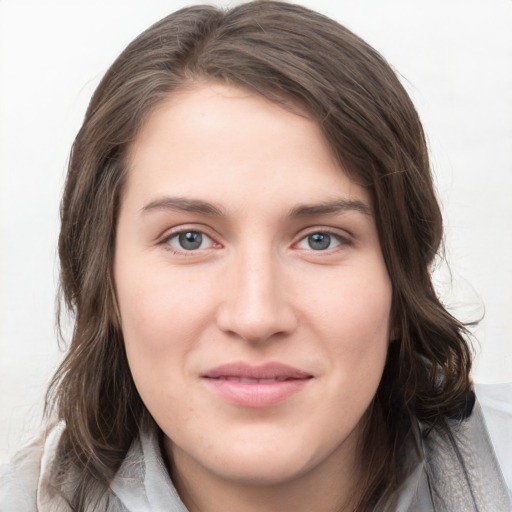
x,y
257,304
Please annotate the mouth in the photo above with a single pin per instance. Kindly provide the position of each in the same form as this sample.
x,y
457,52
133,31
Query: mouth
x,y
255,386
266,372
247,380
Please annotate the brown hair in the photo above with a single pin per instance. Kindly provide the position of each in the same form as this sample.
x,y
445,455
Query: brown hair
x,y
282,51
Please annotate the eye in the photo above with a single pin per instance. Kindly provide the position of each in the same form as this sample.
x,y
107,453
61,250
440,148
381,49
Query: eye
x,y
320,241
189,241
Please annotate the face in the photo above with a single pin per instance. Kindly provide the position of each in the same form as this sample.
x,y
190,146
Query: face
x,y
254,299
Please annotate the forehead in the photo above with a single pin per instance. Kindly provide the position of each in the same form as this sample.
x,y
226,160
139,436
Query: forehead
x,y
214,139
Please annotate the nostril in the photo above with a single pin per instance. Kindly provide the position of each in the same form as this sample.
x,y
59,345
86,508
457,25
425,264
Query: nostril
x,y
254,306
256,326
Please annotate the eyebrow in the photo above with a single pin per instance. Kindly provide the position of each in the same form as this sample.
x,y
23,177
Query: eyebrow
x,y
329,207
304,210
183,204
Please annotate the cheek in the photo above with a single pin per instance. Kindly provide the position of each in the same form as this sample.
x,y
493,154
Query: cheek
x,y
158,326
158,334
354,318
357,309
159,310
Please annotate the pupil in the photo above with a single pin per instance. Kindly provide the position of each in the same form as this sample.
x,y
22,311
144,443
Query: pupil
x,y
319,241
190,240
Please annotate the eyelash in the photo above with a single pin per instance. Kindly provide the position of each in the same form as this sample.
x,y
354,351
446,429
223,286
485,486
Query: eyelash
x,y
342,241
166,241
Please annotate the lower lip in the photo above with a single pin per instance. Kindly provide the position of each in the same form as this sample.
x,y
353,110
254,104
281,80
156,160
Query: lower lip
x,y
256,395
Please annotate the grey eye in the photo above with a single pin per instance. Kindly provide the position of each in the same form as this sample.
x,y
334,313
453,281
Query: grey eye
x,y
190,240
319,241
182,242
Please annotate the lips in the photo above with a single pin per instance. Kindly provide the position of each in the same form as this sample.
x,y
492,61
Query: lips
x,y
255,386
270,371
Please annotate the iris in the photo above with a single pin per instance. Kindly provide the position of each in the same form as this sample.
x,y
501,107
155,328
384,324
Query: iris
x,y
319,241
190,240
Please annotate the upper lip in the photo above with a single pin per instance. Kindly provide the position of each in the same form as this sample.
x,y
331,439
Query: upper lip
x,y
264,371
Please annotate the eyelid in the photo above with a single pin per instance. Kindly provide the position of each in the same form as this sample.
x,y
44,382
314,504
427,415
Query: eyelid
x,y
184,228
342,236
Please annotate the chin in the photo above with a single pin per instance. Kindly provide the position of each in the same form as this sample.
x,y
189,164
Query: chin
x,y
269,461
263,471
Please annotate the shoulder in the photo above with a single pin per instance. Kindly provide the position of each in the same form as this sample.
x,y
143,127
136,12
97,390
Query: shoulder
x,y
496,403
21,478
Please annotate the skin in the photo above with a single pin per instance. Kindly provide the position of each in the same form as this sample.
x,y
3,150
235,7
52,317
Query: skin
x,y
254,291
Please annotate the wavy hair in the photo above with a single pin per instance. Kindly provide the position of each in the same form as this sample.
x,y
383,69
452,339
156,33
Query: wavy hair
x,y
283,52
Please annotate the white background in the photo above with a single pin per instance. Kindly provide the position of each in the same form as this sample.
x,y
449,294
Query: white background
x,y
455,57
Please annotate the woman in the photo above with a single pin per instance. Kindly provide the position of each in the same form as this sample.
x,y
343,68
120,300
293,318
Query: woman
x,y
247,230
